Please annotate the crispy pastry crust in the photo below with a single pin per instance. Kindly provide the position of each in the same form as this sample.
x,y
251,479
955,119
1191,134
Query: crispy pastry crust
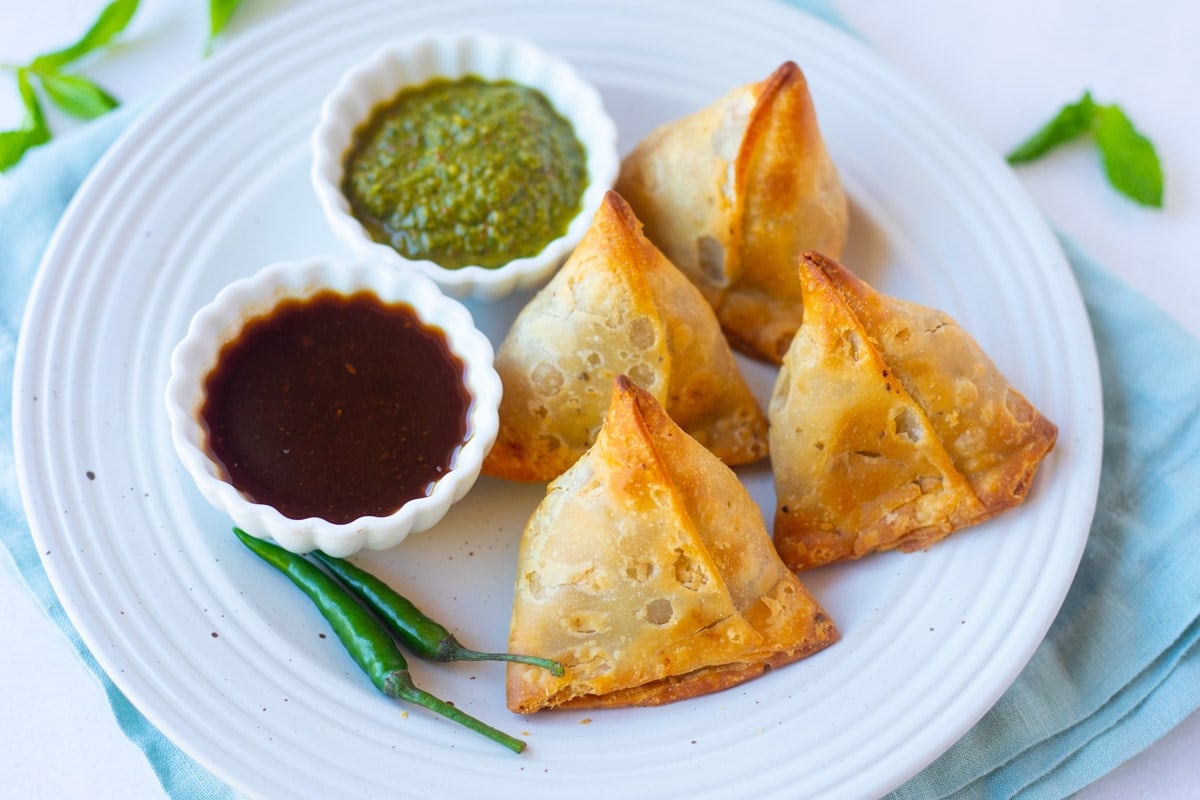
x,y
890,427
647,571
618,306
733,194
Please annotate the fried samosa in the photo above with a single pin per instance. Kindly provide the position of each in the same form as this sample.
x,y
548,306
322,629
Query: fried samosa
x,y
890,427
732,194
648,572
617,306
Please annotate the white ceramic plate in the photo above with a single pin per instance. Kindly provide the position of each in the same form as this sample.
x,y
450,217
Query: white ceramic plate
x,y
235,667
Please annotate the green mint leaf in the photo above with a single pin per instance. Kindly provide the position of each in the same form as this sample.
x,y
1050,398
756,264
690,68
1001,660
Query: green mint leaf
x,y
77,95
1130,161
34,118
112,21
1072,121
33,130
219,12
14,144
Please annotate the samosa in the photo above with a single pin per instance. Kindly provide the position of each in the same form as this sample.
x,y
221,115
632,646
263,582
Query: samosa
x,y
733,193
890,426
648,572
617,306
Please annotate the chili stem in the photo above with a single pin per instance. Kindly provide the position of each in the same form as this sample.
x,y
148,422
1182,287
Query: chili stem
x,y
425,636
400,686
452,650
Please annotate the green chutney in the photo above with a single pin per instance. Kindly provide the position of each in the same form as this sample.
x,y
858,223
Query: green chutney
x,y
466,171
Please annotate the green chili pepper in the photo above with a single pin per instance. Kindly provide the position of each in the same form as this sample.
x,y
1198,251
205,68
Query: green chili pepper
x,y
426,637
364,638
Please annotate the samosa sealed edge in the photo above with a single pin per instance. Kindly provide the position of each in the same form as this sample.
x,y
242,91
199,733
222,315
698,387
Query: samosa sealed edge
x,y
890,427
648,572
733,193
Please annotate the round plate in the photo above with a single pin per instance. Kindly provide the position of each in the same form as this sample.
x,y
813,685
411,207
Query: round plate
x,y
232,664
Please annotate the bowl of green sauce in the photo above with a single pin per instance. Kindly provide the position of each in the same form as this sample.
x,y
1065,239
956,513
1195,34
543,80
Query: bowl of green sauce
x,y
474,159
333,404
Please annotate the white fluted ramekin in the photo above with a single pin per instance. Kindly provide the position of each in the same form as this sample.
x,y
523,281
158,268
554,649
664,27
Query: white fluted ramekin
x,y
419,60
222,320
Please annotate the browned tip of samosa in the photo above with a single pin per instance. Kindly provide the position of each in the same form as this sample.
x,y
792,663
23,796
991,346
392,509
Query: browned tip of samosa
x,y
786,73
622,384
617,232
835,271
613,206
822,262
783,93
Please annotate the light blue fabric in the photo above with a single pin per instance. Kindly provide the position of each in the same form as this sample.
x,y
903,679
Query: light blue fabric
x,y
1119,667
32,199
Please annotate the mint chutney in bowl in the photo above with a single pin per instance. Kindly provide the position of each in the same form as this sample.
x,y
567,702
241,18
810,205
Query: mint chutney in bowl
x,y
473,159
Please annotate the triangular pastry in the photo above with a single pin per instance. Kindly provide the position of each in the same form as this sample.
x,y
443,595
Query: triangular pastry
x,y
890,427
617,306
648,572
732,194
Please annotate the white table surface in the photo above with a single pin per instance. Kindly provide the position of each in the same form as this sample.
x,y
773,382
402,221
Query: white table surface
x,y
1002,67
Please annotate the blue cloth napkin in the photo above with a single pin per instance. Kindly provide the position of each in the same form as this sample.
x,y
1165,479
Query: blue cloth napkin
x,y
1119,667
32,199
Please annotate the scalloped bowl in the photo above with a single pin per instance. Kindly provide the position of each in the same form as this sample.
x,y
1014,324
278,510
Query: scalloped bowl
x,y
416,62
222,320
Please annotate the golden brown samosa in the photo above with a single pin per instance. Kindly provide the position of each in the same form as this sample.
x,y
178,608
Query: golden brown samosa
x,y
648,572
733,193
617,306
890,427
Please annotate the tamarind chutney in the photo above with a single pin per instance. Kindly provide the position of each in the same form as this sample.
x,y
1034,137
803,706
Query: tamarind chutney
x,y
336,406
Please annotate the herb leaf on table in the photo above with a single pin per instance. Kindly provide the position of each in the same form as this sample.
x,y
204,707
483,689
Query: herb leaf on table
x,y
112,20
77,95
73,93
1130,161
219,12
33,130
1072,121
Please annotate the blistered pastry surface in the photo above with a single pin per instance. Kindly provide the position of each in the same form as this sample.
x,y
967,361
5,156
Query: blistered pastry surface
x,y
890,427
617,580
616,307
735,217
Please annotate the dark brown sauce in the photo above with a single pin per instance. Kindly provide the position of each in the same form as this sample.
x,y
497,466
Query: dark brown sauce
x,y
336,407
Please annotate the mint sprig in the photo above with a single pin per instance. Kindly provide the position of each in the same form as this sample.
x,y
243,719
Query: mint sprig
x,y
77,95
1129,159
33,130
112,20
219,12
73,93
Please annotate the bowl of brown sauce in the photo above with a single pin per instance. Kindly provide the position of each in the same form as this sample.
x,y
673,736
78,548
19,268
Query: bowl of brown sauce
x,y
333,404
474,159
